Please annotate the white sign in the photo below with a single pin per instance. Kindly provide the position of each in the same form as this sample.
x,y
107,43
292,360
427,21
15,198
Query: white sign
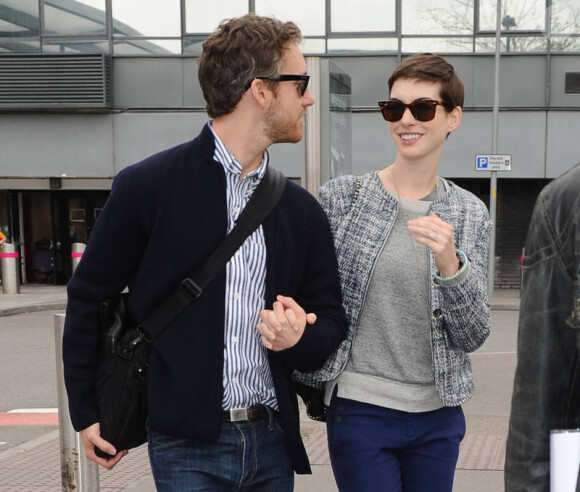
x,y
493,162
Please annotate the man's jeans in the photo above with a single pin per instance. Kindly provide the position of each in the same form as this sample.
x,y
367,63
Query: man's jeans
x,y
248,455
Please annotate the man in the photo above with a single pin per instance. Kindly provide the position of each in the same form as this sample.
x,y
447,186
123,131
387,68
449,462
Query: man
x,y
164,216
546,392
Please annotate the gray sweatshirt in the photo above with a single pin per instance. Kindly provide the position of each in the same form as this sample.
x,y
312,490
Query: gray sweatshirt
x,y
391,363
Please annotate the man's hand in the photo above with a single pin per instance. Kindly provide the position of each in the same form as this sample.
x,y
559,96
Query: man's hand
x,y
282,326
91,437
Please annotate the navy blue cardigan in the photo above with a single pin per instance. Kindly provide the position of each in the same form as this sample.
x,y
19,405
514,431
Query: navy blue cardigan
x,y
164,216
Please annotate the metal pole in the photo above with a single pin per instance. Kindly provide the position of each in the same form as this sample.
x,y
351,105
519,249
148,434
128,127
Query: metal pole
x,y
9,256
312,133
493,181
78,473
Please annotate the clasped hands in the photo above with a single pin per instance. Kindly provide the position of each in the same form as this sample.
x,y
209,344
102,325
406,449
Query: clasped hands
x,y
282,326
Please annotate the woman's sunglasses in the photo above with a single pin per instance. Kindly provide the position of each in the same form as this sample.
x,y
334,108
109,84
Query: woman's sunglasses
x,y
302,86
422,110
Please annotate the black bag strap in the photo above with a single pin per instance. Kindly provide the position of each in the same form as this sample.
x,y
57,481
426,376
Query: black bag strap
x,y
261,203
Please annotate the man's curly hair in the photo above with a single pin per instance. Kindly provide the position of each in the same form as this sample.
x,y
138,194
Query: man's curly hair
x,y
240,49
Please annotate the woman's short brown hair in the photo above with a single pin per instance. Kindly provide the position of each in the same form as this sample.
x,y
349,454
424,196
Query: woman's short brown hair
x,y
240,49
427,67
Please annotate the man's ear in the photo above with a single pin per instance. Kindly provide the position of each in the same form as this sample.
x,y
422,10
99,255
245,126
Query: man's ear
x,y
260,92
455,118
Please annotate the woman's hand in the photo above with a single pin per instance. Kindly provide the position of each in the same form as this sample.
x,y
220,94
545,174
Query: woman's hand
x,y
437,235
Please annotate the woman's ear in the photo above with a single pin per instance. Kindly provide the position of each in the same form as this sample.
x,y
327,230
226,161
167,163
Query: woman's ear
x,y
454,118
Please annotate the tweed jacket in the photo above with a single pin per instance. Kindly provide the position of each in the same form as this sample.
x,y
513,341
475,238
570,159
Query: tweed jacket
x,y
460,321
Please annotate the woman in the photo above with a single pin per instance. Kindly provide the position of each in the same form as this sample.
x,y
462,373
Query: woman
x,y
412,250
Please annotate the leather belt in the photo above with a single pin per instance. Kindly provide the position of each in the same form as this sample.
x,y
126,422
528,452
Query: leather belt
x,y
257,412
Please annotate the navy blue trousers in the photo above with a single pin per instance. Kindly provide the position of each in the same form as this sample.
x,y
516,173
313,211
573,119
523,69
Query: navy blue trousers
x,y
376,449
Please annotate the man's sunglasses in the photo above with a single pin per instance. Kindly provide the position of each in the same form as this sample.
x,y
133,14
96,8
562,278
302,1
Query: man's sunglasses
x,y
422,110
283,78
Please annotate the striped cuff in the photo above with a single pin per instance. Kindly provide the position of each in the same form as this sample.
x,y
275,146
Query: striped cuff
x,y
459,275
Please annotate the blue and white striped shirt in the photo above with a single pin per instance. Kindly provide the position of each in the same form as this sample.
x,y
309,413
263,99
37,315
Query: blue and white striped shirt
x,y
247,379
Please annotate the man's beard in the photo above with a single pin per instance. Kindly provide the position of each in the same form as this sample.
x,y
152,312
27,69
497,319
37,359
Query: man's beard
x,y
280,128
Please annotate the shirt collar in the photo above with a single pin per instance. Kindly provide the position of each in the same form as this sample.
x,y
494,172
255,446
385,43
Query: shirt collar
x,y
231,165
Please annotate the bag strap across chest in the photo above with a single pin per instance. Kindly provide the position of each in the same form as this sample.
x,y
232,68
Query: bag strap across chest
x,y
261,203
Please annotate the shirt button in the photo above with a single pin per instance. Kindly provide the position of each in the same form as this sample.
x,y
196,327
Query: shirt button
x,y
437,313
237,296
235,380
235,339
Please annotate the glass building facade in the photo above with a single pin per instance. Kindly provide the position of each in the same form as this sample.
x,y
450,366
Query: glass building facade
x,y
175,27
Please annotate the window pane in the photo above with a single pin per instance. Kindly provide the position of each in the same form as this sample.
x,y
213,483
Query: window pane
x,y
147,47
566,44
313,46
75,46
362,44
16,45
524,44
515,44
192,45
565,16
437,45
19,18
147,18
485,44
204,16
309,15
442,17
362,15
517,15
14,28
77,18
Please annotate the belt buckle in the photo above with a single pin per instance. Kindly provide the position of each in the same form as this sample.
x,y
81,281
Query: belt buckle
x,y
238,414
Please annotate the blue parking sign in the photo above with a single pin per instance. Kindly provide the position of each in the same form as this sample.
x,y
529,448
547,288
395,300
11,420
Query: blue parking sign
x,y
482,162
493,162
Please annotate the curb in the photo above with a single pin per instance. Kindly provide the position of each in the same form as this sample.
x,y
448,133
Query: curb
x,y
32,308
28,445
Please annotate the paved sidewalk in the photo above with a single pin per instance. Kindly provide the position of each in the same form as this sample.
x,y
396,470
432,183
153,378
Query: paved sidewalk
x,y
35,464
